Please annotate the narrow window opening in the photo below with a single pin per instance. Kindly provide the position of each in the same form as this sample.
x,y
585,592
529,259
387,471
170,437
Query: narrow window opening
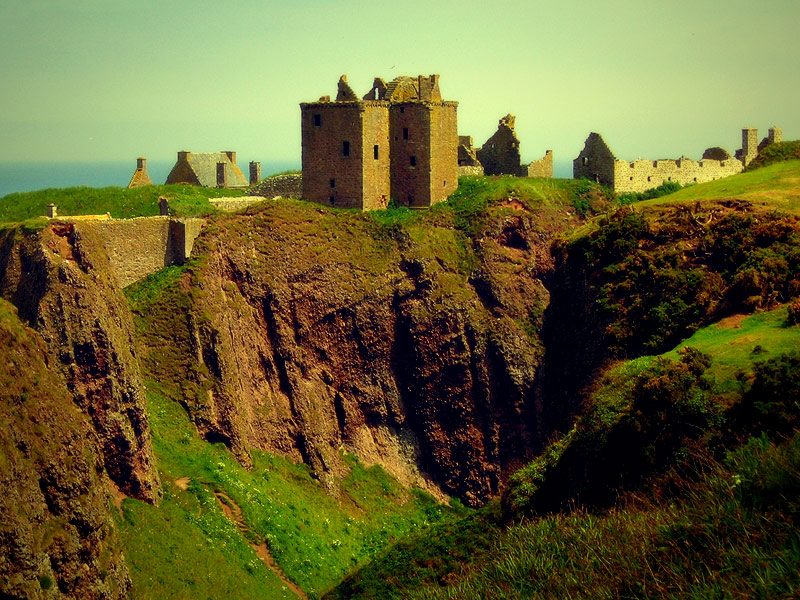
x,y
631,178
413,161
332,200
333,183
375,151
317,120
345,148
444,183
655,163
405,133
410,200
648,179
402,109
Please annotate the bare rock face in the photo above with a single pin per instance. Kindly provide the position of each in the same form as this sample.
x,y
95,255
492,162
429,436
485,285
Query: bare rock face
x,y
56,536
60,283
309,334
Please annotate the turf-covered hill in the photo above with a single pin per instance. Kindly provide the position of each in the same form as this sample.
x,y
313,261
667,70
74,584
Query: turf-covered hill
x,y
673,333
304,392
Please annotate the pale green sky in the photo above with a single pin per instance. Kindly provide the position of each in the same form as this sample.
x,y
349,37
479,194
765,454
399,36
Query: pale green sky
x,y
95,80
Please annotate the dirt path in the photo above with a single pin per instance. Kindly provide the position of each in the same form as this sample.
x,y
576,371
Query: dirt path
x,y
234,513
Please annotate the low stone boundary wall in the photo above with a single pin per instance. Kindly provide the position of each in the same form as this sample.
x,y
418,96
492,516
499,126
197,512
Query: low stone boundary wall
x,y
285,186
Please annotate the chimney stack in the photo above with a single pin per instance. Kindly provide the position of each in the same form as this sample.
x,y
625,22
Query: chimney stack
x,y
52,211
255,172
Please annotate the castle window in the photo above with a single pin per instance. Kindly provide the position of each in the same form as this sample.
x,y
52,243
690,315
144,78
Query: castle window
x,y
413,161
332,200
317,120
375,151
333,183
648,179
585,161
631,178
405,133
402,109
345,148
669,178
444,183
695,179
655,164
410,200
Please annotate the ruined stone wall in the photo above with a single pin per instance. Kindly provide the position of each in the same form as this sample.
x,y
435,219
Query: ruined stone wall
x,y
642,174
140,246
464,170
540,168
375,142
410,139
500,154
289,185
595,162
444,151
330,177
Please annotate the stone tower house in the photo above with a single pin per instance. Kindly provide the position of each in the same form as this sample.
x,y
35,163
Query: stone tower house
x,y
398,141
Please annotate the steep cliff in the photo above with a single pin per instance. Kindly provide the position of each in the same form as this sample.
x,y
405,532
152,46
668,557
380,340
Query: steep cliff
x,y
58,278
56,534
413,345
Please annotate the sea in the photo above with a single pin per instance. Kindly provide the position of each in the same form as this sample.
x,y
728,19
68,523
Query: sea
x,y
29,176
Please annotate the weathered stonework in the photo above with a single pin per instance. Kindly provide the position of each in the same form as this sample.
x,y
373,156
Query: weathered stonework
x,y
140,246
289,185
500,154
207,169
598,163
542,167
140,177
399,141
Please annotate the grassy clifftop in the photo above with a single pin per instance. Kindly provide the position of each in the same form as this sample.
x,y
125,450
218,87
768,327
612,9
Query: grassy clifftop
x,y
121,203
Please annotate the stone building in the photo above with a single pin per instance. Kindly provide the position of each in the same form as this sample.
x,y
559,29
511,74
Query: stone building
x,y
500,154
598,163
398,141
140,177
207,169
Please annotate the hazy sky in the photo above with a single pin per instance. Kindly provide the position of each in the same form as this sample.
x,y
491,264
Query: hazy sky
x,y
96,80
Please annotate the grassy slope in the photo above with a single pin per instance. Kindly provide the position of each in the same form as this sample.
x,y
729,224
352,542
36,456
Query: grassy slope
x,y
774,187
122,203
731,535
315,538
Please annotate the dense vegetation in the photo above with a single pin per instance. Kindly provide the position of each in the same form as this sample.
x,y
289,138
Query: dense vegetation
x,y
668,486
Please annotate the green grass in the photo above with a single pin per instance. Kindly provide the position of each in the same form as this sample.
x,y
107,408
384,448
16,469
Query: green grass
x,y
315,538
727,529
735,343
774,187
121,203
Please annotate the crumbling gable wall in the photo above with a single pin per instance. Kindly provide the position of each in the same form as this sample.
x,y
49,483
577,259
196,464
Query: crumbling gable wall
x,y
500,154
540,168
595,162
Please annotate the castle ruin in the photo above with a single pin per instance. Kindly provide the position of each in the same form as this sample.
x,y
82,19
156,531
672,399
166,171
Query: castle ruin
x,y
598,163
398,141
500,154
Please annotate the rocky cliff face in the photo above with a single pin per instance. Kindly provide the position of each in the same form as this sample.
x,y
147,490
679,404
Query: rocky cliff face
x,y
56,534
306,333
59,281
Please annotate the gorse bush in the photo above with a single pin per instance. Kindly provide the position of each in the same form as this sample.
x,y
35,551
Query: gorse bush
x,y
666,188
